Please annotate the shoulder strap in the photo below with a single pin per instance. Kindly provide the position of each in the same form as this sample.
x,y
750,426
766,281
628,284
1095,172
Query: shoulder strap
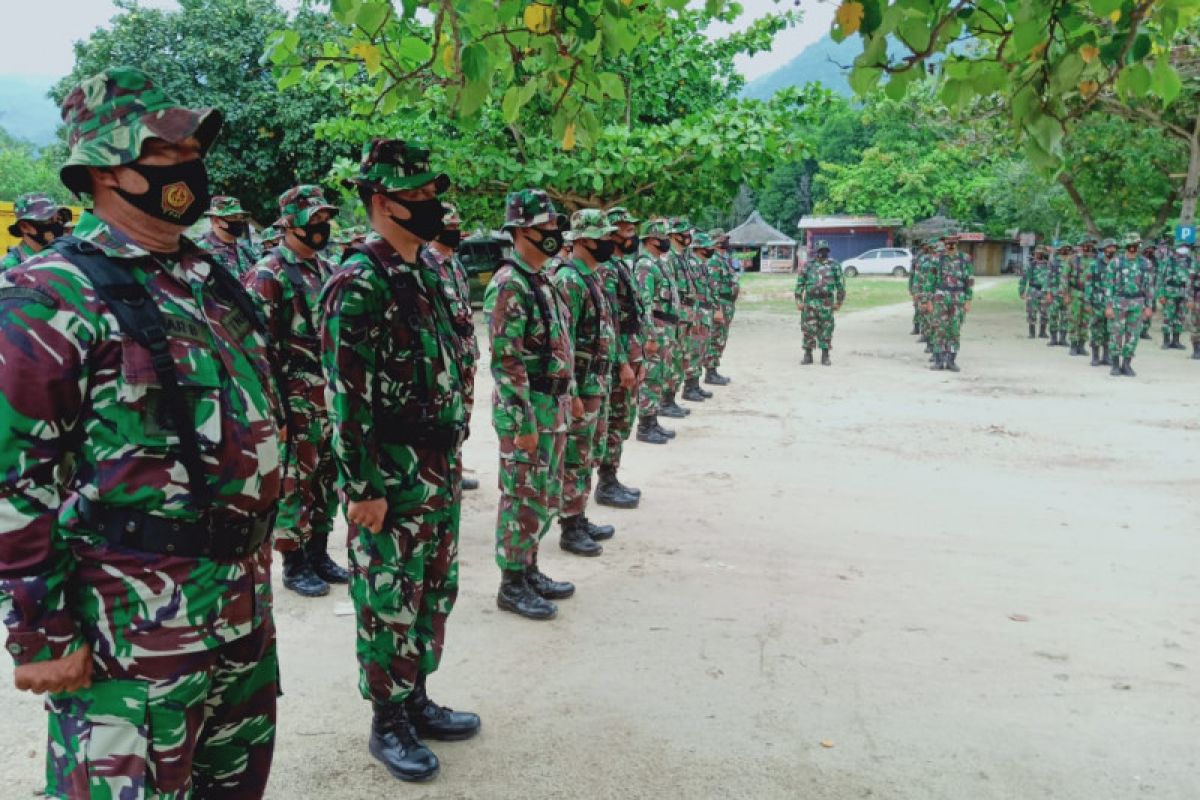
x,y
541,307
292,273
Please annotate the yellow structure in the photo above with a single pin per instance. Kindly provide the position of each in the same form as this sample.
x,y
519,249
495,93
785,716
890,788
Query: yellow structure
x,y
8,217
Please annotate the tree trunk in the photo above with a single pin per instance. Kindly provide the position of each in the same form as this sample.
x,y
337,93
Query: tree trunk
x,y
1080,205
1191,183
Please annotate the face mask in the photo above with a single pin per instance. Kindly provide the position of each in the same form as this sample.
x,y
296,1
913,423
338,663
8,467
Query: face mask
x,y
47,232
550,242
602,251
451,237
662,244
630,244
705,254
178,193
236,229
314,235
685,241
425,218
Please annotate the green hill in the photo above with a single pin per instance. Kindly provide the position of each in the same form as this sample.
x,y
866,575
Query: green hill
x,y
819,62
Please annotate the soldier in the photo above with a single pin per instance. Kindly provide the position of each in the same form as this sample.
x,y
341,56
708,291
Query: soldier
x,y
691,317
1175,274
918,254
286,284
229,237
708,310
916,283
1099,327
630,368
38,224
1193,297
1056,307
1129,301
1074,289
820,292
660,296
1150,256
136,589
724,279
532,364
1033,289
951,285
457,287
591,323
393,357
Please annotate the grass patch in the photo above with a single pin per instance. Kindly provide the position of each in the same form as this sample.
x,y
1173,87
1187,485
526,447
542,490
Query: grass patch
x,y
775,293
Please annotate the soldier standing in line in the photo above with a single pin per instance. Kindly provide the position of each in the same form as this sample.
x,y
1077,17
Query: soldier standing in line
x,y
1129,301
1033,289
592,325
1100,328
393,358
1150,256
1174,274
689,315
228,238
286,284
820,292
951,284
916,284
708,311
724,278
1074,289
38,224
137,591
1056,312
660,297
918,253
533,361
1193,297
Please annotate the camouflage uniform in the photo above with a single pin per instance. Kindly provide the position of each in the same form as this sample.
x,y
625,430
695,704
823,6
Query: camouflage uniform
x,y
723,277
182,701
1056,308
1036,288
633,324
820,288
1099,326
457,287
951,284
918,260
1193,296
1128,292
1074,288
237,256
39,209
660,297
1174,277
690,322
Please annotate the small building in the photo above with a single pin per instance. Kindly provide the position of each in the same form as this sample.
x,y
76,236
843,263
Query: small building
x,y
991,255
771,249
848,235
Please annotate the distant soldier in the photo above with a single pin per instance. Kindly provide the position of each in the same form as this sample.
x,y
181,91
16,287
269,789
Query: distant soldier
x,y
1129,301
1193,296
820,292
723,276
916,288
1175,275
39,223
1074,289
1033,289
951,285
660,296
918,254
692,328
1150,256
229,236
1056,312
1099,328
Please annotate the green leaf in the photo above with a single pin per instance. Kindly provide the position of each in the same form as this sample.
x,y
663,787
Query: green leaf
x,y
1026,36
475,62
290,78
1164,81
1134,81
1141,48
510,106
1066,73
1105,7
864,79
371,15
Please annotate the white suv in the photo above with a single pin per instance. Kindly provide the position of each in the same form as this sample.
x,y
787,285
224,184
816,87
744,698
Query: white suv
x,y
881,261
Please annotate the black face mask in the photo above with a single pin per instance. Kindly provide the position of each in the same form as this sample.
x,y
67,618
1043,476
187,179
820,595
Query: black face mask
x,y
662,244
178,193
314,235
451,237
603,250
685,241
47,232
629,245
425,218
548,241
236,229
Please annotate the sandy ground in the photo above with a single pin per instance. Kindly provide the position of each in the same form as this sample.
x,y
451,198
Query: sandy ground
x,y
870,580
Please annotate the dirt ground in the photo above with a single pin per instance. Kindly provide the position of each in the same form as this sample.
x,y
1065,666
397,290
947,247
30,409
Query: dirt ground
x,y
864,581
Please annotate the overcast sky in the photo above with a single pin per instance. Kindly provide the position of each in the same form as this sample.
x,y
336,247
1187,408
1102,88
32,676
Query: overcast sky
x,y
39,34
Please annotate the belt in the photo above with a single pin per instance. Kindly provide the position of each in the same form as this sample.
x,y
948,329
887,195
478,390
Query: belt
x,y
815,296
1175,285
555,387
427,436
1035,286
663,316
596,366
954,289
220,539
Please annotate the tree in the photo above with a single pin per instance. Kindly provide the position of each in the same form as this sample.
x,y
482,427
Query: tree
x,y
24,169
207,53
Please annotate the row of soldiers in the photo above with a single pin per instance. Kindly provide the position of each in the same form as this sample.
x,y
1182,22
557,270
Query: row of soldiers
x,y
941,283
1081,295
172,408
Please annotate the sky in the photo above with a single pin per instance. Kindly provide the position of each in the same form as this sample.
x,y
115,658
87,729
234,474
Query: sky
x,y
50,53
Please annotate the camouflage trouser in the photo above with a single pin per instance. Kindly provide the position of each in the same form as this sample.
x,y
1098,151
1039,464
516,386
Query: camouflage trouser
x,y
585,449
1126,325
948,312
720,336
682,353
404,581
698,343
169,727
1098,327
1036,312
1077,321
1174,314
622,408
309,499
921,319
816,322
658,369
1194,320
1057,314
531,487
470,362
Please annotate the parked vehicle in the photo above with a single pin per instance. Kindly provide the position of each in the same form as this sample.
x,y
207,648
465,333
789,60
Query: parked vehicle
x,y
480,256
880,261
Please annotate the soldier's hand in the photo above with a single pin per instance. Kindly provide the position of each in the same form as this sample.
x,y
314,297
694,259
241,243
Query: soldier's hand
x,y
67,674
1147,313
641,373
928,308
719,317
651,348
1109,313
627,377
370,514
577,407
527,442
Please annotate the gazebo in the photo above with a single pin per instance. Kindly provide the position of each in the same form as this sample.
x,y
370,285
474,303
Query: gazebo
x,y
774,250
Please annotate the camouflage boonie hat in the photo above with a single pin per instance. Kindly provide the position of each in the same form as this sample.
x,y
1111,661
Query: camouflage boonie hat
x,y
680,225
822,245
225,206
528,208
110,116
395,165
590,223
1131,240
657,227
451,217
621,214
33,207
703,241
298,205
1106,243
939,246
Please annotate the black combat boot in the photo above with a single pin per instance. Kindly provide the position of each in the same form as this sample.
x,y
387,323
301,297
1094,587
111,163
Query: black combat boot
x,y
1032,331
937,362
1053,340
1105,356
517,596
629,490
1175,343
1127,368
1095,356
715,378
610,493
1166,345
1145,334
298,575
574,537
928,347
1116,367
596,533
469,484
672,409
807,357
438,722
951,362
691,393
646,432
825,362
544,585
325,567
924,339
394,741
1196,350
666,432
1042,331
916,330
703,392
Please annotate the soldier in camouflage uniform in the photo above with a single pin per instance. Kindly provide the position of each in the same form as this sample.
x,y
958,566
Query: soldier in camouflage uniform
x,y
918,256
591,322
1150,256
1098,329
1074,289
1035,288
629,368
229,238
820,292
724,280
951,285
916,282
392,352
533,360
1129,303
1056,310
1193,296
660,297
692,330
286,284
1174,275
38,224
135,584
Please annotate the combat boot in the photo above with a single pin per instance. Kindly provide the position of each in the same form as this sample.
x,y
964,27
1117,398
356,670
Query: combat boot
x,y
928,347
672,409
916,329
703,392
519,597
1145,334
574,537
825,362
1095,356
646,432
691,392
1042,331
937,362
436,722
394,742
715,378
1053,340
1175,343
596,533
665,432
610,493
1105,357
924,339
951,362
325,567
807,357
469,484
545,586
1196,350
1127,368
1116,367
629,490
1166,345
298,575
1032,331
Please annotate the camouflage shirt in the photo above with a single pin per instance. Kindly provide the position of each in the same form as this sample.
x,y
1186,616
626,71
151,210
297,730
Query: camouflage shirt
x,y
630,314
821,278
237,257
1175,275
16,254
660,294
76,389
723,278
591,324
457,288
1129,278
1036,276
1074,274
951,273
685,282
